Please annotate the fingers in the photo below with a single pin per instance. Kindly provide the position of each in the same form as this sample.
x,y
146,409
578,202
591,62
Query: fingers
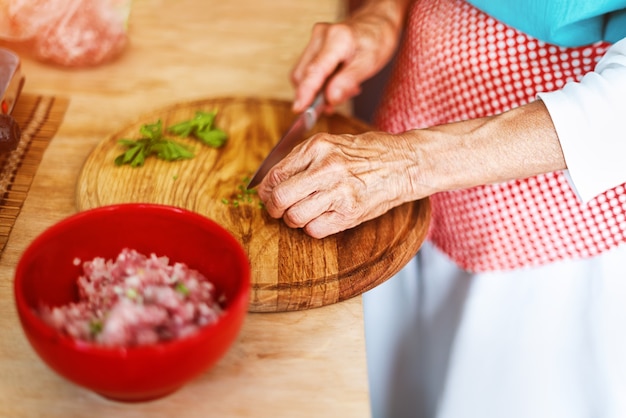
x,y
309,73
328,223
311,51
342,87
307,209
289,182
325,213
329,47
320,186
321,213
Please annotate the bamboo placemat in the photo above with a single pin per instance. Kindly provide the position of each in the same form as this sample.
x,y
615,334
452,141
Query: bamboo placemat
x,y
39,117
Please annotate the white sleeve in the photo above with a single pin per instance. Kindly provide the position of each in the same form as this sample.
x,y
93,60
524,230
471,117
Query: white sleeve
x,y
590,121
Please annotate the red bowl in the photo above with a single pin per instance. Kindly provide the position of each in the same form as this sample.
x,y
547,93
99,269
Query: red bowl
x,y
46,275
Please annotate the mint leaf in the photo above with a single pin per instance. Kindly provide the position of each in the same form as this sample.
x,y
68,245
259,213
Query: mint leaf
x,y
201,127
214,137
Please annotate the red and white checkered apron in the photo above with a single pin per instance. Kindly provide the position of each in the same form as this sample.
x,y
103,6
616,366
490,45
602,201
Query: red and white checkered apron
x,y
457,63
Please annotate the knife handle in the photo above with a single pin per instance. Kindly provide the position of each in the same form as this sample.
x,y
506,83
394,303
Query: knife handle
x,y
312,113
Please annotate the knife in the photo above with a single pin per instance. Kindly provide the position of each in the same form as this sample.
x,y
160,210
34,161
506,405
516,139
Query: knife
x,y
294,135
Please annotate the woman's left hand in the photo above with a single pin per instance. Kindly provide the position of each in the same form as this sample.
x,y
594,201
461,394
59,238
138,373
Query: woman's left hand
x,y
330,183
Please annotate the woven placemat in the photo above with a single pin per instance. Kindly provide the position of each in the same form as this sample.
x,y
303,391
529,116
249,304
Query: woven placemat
x,y
39,117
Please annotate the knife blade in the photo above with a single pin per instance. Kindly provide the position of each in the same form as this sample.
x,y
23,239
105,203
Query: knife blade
x,y
294,135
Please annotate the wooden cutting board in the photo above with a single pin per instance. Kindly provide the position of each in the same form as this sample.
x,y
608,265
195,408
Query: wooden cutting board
x,y
290,270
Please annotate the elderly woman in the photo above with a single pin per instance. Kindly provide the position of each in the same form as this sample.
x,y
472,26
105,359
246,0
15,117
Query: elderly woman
x,y
509,116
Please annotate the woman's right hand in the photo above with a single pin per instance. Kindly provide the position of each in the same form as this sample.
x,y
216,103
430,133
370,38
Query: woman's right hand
x,y
347,53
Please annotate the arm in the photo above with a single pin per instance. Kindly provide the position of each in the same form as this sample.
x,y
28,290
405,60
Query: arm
x,y
362,45
579,127
515,144
331,183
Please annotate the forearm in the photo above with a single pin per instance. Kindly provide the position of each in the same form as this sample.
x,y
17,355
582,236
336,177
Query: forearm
x,y
392,11
516,144
579,128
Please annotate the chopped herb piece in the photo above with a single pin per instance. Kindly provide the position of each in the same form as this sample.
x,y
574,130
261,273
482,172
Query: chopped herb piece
x,y
181,288
95,327
131,293
243,195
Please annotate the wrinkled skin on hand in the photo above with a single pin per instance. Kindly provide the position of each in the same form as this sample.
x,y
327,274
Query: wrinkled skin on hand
x,y
330,183
360,46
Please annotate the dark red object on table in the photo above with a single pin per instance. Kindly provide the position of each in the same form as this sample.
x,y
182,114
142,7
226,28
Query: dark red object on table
x,y
11,82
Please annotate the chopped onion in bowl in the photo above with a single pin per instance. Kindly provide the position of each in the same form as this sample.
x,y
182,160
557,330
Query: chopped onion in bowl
x,y
136,300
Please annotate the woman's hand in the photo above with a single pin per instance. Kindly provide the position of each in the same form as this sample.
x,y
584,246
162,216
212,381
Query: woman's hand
x,y
359,46
334,182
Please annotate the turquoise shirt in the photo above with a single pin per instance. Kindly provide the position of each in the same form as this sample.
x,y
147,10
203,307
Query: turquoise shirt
x,y
561,22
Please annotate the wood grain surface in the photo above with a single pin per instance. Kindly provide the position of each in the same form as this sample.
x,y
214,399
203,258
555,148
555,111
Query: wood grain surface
x,y
290,270
302,364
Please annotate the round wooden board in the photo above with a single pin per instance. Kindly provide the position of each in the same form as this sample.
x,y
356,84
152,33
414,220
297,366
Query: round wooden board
x,y
290,270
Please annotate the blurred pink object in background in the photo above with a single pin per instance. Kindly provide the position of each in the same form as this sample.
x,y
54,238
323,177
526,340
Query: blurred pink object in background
x,y
71,33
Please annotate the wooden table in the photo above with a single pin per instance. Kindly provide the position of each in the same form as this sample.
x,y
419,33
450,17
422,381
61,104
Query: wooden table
x,y
297,364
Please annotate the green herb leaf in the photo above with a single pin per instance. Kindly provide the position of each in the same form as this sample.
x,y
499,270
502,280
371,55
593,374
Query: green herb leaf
x,y
214,137
95,327
135,155
152,131
169,150
182,129
181,288
201,126
202,121
152,142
